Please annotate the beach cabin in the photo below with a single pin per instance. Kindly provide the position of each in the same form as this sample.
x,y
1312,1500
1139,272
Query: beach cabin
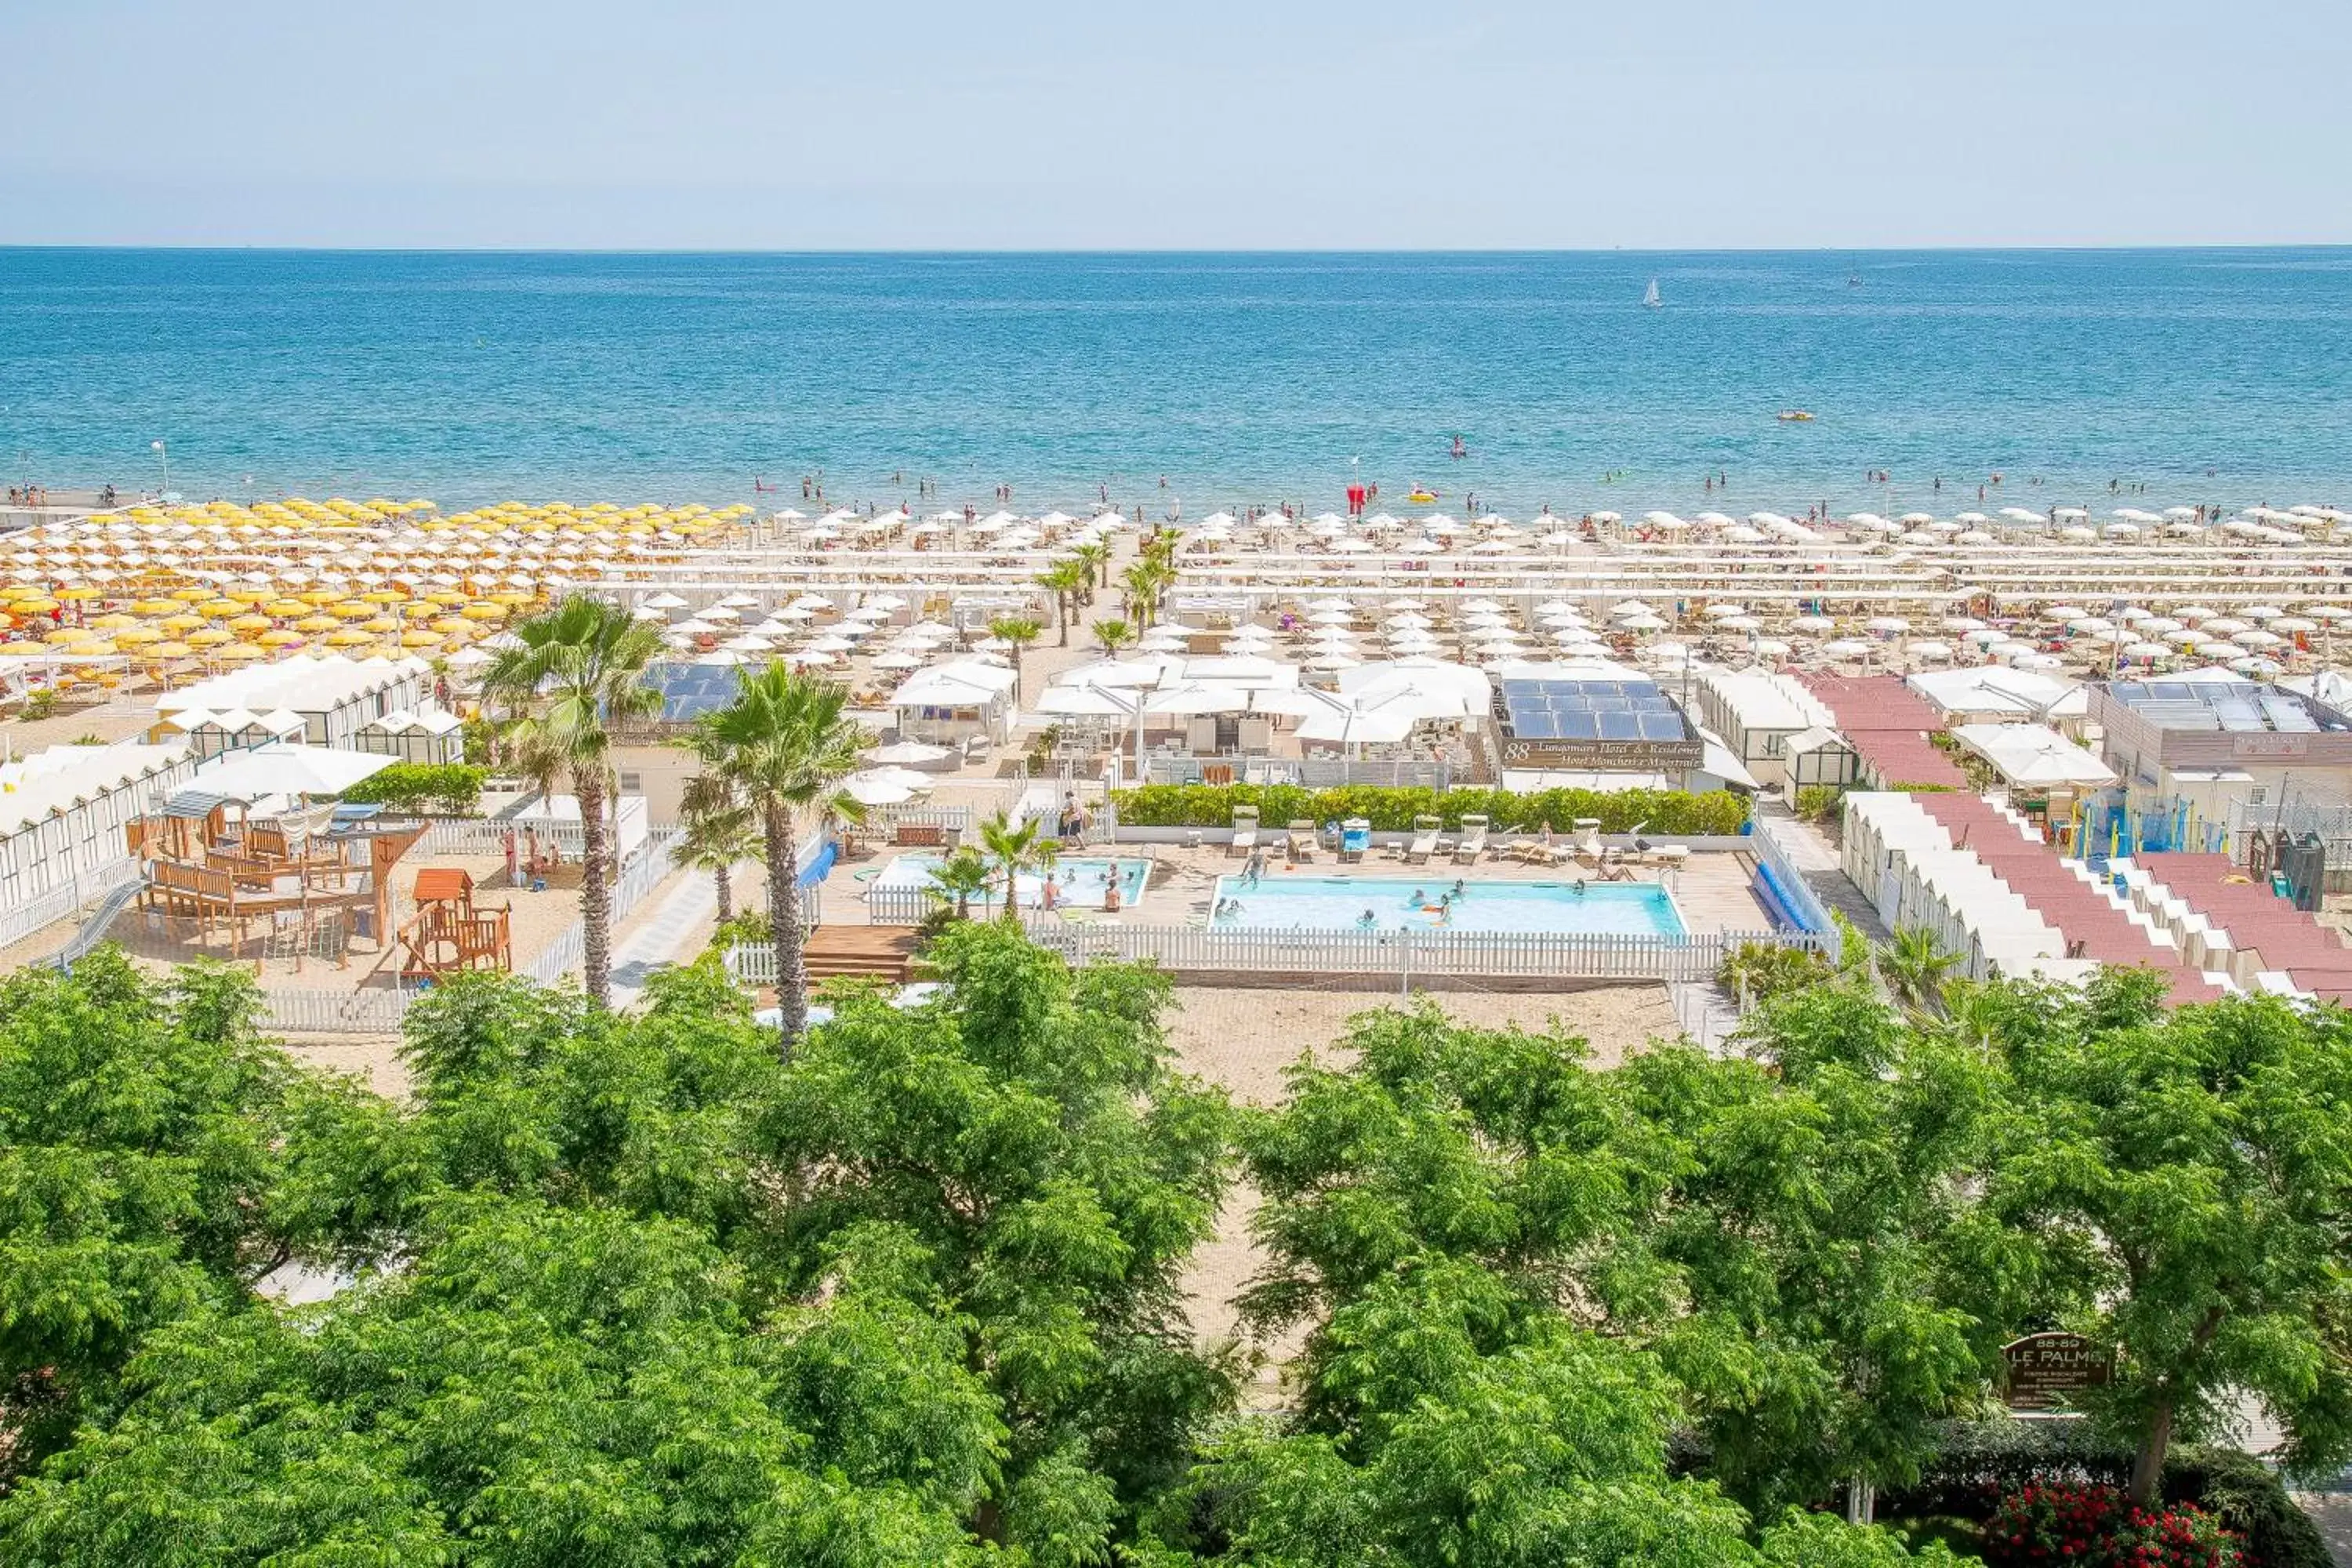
x,y
1754,715
429,736
957,704
63,812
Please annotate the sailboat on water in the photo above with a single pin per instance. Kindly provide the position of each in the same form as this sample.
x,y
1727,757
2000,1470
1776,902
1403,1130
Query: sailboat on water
x,y
1651,300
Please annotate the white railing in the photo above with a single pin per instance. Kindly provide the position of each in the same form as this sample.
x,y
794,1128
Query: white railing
x,y
647,869
1407,955
1796,894
336,1012
80,888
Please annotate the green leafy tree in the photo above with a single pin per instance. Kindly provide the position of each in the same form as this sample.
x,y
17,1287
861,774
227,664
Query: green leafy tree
x,y
1143,582
578,671
1018,632
2191,1175
1096,559
1011,848
785,746
1050,1175
718,833
145,1135
1112,635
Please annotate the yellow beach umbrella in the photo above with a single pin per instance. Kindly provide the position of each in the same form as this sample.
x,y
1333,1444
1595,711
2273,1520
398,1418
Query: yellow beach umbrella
x,y
192,596
352,610
181,623
78,595
154,606
484,612
43,606
65,635
170,650
219,609
93,650
286,610
115,621
317,624
247,623
447,625
350,637
211,636
381,624
137,637
418,640
247,594
241,653
385,597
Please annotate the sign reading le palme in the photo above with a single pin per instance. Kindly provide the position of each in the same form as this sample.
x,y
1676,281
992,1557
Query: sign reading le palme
x,y
2045,1370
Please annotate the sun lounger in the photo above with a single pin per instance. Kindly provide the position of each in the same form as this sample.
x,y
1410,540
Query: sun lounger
x,y
1302,839
1355,837
1424,840
1473,841
1245,830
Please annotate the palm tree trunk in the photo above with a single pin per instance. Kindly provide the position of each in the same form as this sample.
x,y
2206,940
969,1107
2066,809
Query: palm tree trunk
x,y
785,928
722,883
1062,611
596,896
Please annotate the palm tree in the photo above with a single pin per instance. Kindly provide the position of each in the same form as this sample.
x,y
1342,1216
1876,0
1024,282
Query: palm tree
x,y
578,671
719,833
1096,559
1014,848
1020,631
961,877
784,745
1141,584
1112,635
1066,580
1914,966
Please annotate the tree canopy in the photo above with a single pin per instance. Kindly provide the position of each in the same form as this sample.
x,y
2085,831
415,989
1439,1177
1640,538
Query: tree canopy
x,y
635,1290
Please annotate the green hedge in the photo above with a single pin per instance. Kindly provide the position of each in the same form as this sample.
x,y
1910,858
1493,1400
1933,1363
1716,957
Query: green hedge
x,y
1664,812
454,789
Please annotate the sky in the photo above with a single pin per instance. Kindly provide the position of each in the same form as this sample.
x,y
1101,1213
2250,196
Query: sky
x,y
1215,124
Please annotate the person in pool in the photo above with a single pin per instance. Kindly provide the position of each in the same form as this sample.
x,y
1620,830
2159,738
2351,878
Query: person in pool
x,y
1110,894
1461,889
1366,920
1579,887
1420,899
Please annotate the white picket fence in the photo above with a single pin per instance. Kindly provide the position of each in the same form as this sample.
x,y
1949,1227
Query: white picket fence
x,y
336,1012
1407,955
44,909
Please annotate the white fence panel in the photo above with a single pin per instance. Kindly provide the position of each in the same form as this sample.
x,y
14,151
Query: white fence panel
x,y
336,1012
1405,954
57,903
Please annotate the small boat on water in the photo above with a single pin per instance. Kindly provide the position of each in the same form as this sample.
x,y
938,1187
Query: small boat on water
x,y
1793,415
1650,299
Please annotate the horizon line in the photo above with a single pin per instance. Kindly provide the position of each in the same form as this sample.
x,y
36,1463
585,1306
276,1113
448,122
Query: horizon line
x,y
1850,250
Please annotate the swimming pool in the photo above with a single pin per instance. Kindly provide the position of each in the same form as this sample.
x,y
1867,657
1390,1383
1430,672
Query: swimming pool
x,y
1340,903
1078,881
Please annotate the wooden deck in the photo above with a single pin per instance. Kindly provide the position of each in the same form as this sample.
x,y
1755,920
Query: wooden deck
x,y
878,953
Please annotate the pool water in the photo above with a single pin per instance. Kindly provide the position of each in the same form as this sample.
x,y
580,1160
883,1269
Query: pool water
x,y
1078,880
1338,903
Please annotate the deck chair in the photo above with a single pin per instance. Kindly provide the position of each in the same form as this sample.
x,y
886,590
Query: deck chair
x,y
1355,838
1473,841
1302,839
1245,831
1588,847
1424,840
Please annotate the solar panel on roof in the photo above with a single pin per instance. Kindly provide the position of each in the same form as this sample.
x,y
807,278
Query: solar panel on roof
x,y
1660,726
1535,727
1580,727
1619,726
2288,716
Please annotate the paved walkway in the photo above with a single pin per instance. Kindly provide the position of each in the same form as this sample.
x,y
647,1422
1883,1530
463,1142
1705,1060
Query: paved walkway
x,y
662,936
2332,1511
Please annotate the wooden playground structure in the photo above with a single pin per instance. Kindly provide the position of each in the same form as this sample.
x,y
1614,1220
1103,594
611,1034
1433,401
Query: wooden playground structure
x,y
305,884
450,933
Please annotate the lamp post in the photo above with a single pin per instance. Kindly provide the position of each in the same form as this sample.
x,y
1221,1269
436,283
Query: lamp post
x,y
164,460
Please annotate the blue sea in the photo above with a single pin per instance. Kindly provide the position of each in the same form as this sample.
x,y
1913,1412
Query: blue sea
x,y
2202,375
